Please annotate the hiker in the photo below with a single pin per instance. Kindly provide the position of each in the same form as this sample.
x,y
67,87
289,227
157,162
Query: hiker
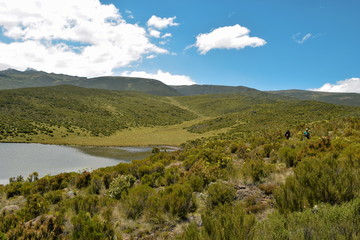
x,y
307,134
287,134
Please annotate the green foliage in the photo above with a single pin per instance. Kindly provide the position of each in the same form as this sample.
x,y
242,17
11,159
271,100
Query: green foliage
x,y
120,185
321,222
91,227
225,222
177,200
83,179
42,111
288,155
136,200
256,169
95,185
36,205
220,193
329,179
89,204
44,227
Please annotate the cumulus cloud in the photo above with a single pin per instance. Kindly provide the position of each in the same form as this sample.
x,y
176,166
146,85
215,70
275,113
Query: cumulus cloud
x,y
298,38
348,85
161,23
82,37
165,77
229,37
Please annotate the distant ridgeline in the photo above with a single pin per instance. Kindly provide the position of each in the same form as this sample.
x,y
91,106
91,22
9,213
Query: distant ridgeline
x,y
11,79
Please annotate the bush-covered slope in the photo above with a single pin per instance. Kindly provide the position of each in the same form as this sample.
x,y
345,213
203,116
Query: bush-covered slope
x,y
347,99
210,89
99,112
232,187
258,110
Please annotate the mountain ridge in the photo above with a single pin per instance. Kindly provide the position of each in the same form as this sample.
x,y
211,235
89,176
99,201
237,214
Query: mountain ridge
x,y
12,79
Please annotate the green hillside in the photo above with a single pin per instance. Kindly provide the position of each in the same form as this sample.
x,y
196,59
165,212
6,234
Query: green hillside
x,y
255,111
33,111
210,89
347,99
149,86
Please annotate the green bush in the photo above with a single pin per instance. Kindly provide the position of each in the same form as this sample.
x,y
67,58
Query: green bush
x,y
287,155
36,205
177,200
136,200
329,180
225,222
120,184
220,193
321,222
91,227
256,169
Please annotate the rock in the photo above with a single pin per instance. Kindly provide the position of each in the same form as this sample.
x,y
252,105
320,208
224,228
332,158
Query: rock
x,y
9,209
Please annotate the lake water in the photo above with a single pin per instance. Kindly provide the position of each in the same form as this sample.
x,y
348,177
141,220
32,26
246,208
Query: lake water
x,y
23,159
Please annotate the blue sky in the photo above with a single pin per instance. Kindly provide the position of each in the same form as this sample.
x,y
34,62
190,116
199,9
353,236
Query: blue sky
x,y
267,45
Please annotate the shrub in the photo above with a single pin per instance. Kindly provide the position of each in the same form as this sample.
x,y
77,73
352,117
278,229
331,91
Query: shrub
x,y
225,222
220,193
83,180
197,183
136,200
91,228
287,155
120,184
95,185
177,200
256,169
36,205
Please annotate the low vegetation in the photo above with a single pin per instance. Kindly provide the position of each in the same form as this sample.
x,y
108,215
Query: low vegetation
x,y
249,182
260,186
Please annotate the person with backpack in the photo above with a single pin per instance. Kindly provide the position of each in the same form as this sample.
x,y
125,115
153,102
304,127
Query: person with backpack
x,y
307,133
287,134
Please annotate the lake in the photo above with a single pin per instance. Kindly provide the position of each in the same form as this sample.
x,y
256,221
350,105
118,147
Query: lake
x,y
25,158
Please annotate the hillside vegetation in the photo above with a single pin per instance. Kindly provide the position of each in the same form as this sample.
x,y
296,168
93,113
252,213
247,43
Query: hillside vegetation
x,y
347,99
252,186
74,115
90,112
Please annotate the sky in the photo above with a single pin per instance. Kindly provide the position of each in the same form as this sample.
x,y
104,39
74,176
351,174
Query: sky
x,y
262,44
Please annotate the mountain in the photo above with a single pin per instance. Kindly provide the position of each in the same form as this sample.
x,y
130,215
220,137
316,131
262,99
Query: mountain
x,y
347,99
11,79
210,89
144,85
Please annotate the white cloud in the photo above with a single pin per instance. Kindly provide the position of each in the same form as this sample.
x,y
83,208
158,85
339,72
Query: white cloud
x,y
348,85
161,23
301,39
154,33
229,37
82,37
165,77
166,35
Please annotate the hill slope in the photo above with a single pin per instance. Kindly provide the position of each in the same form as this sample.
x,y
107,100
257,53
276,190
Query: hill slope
x,y
32,111
210,89
347,99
